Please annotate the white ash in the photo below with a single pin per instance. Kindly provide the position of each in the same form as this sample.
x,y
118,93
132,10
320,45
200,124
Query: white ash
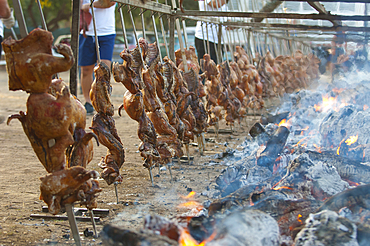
x,y
326,178
248,227
327,228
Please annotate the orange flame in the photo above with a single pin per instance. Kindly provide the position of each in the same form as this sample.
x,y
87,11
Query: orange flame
x,y
318,148
190,195
299,217
365,107
328,103
351,140
282,122
282,187
191,205
186,239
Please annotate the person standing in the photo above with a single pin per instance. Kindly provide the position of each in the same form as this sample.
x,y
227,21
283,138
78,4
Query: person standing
x,y
104,11
209,30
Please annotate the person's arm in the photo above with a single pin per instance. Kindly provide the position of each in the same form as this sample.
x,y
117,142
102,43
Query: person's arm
x,y
6,14
4,9
217,3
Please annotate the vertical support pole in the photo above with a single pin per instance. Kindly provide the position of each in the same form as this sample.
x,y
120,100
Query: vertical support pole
x,y
73,73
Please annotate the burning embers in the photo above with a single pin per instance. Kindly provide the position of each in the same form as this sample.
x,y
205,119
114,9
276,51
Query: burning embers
x,y
299,181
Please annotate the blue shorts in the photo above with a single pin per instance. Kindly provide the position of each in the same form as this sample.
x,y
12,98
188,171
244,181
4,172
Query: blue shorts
x,y
87,49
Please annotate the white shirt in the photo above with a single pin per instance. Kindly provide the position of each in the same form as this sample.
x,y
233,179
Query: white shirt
x,y
1,29
104,20
212,28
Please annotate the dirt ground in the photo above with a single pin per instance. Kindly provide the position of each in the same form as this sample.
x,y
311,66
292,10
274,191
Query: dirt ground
x,y
20,171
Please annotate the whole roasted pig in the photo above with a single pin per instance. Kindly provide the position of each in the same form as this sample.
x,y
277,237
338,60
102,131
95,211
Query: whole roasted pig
x,y
30,63
63,187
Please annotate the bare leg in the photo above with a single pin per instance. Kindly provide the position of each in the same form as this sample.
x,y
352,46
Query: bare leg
x,y
86,81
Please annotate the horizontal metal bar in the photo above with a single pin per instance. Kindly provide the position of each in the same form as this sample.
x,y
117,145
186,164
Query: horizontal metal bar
x,y
332,1
204,19
63,217
274,15
148,5
299,27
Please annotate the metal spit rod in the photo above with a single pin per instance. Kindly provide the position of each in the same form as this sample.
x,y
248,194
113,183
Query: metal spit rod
x,y
142,22
135,34
185,34
180,40
164,35
213,35
73,224
20,18
156,36
42,16
95,32
208,47
123,26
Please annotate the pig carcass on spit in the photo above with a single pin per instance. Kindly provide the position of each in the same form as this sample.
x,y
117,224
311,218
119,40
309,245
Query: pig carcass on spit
x,y
168,144
50,123
103,125
134,106
68,186
30,63
181,95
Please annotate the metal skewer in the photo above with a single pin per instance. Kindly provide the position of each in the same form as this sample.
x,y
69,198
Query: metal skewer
x,y
13,33
156,37
123,26
42,16
73,224
116,191
135,34
93,222
151,175
164,35
95,32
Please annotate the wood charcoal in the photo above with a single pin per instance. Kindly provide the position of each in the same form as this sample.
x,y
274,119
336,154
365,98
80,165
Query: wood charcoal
x,y
275,119
347,169
256,130
359,196
112,236
273,147
163,226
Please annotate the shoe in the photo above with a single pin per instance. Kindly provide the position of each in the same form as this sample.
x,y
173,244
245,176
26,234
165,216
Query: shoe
x,y
89,108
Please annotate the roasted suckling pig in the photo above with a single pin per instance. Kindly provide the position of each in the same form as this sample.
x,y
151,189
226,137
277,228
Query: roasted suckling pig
x,y
103,125
50,123
30,63
104,128
67,186
133,104
101,90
